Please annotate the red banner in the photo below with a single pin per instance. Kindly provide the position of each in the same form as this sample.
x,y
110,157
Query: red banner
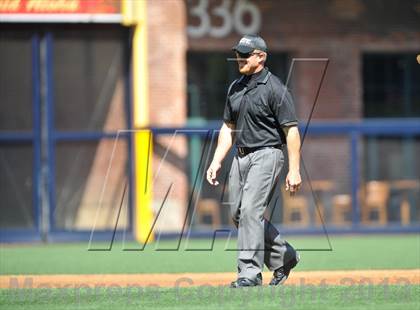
x,y
60,6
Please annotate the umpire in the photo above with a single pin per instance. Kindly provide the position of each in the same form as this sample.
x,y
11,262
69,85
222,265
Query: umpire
x,y
259,117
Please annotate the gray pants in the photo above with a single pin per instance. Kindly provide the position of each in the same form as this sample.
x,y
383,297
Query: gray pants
x,y
252,181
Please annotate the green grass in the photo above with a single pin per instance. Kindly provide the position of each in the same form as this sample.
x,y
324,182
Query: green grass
x,y
287,297
348,252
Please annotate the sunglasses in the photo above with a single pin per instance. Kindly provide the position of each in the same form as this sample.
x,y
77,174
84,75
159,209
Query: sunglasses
x,y
245,55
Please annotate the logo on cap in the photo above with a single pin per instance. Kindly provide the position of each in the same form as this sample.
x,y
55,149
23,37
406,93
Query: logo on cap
x,y
245,41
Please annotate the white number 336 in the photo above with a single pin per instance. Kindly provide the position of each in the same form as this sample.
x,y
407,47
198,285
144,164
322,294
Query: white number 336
x,y
230,19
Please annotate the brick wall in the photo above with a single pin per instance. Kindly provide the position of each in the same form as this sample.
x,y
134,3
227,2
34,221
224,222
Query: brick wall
x,y
167,96
340,30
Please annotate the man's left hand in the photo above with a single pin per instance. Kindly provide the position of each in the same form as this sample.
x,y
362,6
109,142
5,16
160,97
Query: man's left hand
x,y
293,181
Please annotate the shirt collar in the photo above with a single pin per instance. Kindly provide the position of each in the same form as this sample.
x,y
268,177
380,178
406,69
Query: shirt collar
x,y
260,77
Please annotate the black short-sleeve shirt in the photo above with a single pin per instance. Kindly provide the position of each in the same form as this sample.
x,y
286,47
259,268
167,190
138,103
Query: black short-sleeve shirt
x,y
259,105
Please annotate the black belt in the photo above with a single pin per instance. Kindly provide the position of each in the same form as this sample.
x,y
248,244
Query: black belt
x,y
247,150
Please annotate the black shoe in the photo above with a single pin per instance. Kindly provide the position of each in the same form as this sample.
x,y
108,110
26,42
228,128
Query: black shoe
x,y
281,274
245,282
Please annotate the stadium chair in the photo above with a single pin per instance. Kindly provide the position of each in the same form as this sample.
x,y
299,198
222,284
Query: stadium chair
x,y
376,195
295,205
320,189
341,210
403,186
208,207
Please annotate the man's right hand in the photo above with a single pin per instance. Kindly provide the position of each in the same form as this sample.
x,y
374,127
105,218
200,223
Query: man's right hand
x,y
212,173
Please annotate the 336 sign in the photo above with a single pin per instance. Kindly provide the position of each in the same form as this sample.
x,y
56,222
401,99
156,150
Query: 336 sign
x,y
233,17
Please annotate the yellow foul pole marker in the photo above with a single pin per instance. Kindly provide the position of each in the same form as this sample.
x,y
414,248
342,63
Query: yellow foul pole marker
x,y
134,14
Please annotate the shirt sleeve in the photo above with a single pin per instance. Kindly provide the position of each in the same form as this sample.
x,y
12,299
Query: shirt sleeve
x,y
227,114
283,107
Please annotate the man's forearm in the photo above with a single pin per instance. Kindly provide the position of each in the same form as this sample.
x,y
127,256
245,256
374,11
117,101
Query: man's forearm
x,y
224,143
293,148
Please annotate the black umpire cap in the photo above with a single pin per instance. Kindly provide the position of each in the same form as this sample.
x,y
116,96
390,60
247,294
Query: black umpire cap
x,y
249,43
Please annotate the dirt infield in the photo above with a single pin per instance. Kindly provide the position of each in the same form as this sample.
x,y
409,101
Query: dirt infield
x,y
359,277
